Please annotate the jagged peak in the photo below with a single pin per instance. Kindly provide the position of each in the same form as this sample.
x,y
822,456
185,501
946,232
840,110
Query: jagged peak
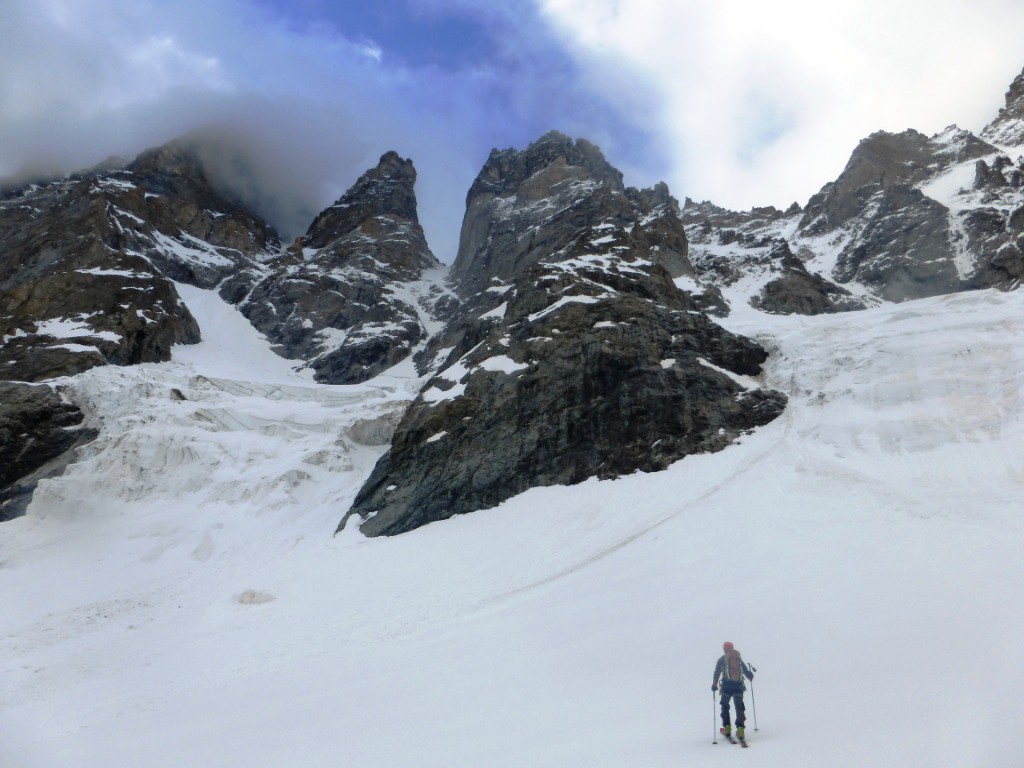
x,y
506,169
180,158
392,163
1015,93
387,189
654,197
392,180
1008,127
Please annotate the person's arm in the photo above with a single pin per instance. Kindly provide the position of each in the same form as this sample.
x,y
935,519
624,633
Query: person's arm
x,y
718,673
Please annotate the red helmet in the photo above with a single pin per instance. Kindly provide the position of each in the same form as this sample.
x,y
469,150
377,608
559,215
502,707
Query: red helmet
x,y
726,646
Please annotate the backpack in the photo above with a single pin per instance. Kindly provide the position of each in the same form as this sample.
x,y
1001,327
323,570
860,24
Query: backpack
x,y
732,673
732,669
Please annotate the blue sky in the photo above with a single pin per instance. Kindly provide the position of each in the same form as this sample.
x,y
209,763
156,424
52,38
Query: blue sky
x,y
741,102
507,58
413,34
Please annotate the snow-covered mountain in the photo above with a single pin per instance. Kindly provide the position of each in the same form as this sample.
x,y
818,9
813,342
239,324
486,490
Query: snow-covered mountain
x,y
910,216
825,404
358,292
559,345
573,354
91,269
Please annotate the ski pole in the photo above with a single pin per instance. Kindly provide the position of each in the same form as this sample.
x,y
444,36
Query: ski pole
x,y
714,720
753,701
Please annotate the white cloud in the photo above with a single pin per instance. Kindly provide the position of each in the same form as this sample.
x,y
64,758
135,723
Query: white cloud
x,y
738,101
310,101
307,108
762,103
372,51
160,63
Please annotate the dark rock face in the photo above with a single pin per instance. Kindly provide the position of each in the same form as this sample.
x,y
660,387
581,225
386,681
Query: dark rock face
x,y
903,250
197,236
555,200
38,429
348,297
87,265
910,216
75,292
902,244
884,161
580,359
999,234
385,191
531,206
797,291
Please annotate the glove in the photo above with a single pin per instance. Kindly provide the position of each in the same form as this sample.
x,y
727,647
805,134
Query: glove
x,y
714,686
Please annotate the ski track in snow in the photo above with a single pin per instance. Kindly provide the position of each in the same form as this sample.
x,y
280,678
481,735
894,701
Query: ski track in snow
x,y
178,597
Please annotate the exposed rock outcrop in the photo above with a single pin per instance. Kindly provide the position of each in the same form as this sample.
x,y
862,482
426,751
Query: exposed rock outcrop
x,y
87,277
88,264
75,290
578,358
910,216
527,207
902,249
351,297
798,291
190,230
888,162
1008,127
38,431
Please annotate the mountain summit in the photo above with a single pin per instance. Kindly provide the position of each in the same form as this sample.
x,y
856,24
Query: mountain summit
x,y
910,216
574,355
350,297
531,205
1007,130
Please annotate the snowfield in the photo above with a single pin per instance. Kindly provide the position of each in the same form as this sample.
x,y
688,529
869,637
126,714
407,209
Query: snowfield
x,y
178,598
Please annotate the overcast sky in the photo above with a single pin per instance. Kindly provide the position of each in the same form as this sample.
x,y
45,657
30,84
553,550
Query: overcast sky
x,y
742,102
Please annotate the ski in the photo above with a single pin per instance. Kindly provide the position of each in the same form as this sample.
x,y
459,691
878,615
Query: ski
x,y
728,736
743,743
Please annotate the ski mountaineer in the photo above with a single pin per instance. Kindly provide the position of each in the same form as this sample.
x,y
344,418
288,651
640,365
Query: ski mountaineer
x,y
731,669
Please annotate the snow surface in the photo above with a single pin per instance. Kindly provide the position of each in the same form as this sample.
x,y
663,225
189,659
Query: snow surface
x,y
68,328
177,598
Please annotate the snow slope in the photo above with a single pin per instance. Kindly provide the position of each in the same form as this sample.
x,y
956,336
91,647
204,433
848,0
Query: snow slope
x,y
178,598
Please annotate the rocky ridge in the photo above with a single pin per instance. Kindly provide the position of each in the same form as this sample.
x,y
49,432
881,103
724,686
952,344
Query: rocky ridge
x,y
1007,130
39,429
575,354
354,296
89,264
910,216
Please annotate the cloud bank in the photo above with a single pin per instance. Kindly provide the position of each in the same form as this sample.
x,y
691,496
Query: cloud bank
x,y
762,103
308,101
741,102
